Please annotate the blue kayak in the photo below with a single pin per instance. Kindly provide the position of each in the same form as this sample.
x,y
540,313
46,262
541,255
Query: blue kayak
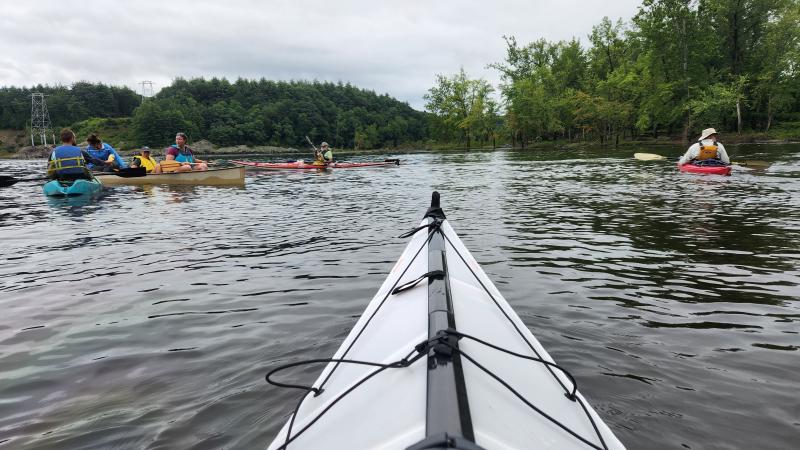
x,y
74,188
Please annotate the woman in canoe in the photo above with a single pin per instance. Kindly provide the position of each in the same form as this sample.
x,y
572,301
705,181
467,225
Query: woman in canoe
x,y
186,155
103,156
706,149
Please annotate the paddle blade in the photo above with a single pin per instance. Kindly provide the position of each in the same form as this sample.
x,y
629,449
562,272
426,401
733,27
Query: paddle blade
x,y
6,180
131,172
752,163
648,157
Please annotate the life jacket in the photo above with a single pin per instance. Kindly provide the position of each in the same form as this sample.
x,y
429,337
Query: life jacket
x,y
707,151
66,160
170,165
328,155
148,163
185,155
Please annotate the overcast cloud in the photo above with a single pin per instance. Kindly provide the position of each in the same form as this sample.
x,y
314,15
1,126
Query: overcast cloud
x,y
392,47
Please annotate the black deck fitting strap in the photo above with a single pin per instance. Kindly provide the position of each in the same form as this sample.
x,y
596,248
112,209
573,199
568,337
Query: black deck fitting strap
x,y
445,441
434,274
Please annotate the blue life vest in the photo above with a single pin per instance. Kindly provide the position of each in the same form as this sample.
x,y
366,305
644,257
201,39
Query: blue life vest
x,y
103,153
66,160
184,156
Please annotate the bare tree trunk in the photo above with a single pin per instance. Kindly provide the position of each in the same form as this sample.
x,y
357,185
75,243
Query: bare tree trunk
x,y
769,113
738,116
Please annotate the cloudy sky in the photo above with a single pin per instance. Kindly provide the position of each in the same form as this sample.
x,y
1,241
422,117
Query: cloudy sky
x,y
393,46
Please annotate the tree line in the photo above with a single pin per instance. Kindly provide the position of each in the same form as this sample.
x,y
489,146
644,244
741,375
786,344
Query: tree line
x,y
280,113
248,112
67,105
676,67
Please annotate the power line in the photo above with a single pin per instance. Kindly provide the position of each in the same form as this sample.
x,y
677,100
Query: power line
x,y
40,119
147,89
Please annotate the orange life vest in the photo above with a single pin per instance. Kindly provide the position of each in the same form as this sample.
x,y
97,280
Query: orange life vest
x,y
707,151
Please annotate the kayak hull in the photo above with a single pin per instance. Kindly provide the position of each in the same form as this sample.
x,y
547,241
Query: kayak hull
x,y
300,165
708,170
232,176
388,409
76,188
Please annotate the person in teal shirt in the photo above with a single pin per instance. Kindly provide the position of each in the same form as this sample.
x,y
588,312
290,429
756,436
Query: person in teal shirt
x,y
103,156
186,155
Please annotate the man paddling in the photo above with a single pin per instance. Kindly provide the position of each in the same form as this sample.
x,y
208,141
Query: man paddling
x,y
323,156
707,151
67,162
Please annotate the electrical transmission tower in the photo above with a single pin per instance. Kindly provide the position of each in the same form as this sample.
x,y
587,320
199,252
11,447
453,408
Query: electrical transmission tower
x,y
147,89
40,119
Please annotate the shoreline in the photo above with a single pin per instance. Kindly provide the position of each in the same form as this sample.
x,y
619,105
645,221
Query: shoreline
x,y
205,148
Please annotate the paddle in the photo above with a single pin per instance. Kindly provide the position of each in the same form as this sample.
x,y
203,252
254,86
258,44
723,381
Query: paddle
x,y
312,144
7,180
128,172
655,157
648,157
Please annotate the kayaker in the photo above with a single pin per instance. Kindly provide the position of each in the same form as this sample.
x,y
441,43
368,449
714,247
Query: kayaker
x,y
186,155
706,149
170,165
327,153
143,159
104,157
67,161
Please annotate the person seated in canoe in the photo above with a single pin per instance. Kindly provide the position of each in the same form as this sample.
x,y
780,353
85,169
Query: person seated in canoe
x,y
143,159
170,165
104,157
67,162
706,151
186,155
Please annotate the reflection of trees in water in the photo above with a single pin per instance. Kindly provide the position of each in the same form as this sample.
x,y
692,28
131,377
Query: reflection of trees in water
x,y
668,236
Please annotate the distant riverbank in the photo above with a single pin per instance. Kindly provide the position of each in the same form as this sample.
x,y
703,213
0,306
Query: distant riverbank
x,y
206,148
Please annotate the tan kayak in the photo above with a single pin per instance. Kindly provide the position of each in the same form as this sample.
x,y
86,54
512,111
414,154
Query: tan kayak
x,y
232,176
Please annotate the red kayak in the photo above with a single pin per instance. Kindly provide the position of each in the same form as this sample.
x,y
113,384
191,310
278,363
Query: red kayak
x,y
301,165
710,170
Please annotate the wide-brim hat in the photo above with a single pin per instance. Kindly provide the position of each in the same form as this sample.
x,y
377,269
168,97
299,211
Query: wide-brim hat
x,y
707,132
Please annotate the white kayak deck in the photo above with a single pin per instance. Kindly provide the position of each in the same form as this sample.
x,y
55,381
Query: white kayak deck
x,y
389,410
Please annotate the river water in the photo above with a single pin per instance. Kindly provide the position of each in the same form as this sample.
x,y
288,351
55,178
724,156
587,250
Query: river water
x,y
147,318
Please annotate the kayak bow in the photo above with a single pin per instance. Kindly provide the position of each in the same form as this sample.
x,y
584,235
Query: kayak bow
x,y
440,360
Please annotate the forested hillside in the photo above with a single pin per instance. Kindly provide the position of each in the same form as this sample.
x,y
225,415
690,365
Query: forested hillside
x,y
248,112
277,113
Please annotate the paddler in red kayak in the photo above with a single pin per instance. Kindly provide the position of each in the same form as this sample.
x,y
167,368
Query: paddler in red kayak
x,y
706,149
323,156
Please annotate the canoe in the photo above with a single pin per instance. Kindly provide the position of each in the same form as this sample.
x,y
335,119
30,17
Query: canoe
x,y
439,360
710,170
301,165
231,176
55,188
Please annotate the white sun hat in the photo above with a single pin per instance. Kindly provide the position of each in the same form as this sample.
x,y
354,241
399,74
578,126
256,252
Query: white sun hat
x,y
707,132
